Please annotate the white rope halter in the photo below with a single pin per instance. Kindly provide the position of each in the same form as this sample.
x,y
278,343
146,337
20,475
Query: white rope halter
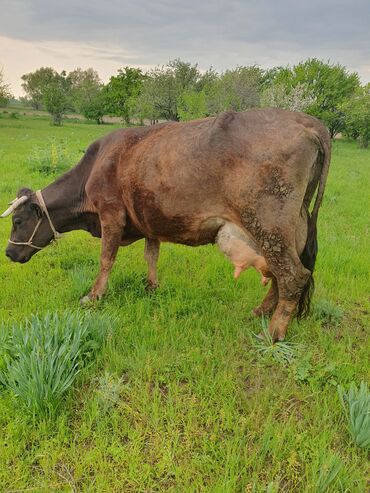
x,y
29,243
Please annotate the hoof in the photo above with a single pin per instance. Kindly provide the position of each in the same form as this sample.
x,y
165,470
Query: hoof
x,y
151,286
275,338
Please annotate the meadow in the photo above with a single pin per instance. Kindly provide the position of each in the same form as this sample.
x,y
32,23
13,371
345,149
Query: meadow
x,y
179,395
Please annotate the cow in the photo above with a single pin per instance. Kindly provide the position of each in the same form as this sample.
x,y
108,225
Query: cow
x,y
244,181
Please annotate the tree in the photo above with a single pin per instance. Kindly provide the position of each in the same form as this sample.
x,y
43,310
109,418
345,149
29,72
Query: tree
x,y
328,84
192,105
357,116
280,95
122,90
5,94
159,95
144,106
86,94
34,84
94,109
57,96
236,89
163,88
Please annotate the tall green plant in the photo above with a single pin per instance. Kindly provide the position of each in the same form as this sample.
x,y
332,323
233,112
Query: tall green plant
x,y
356,405
45,355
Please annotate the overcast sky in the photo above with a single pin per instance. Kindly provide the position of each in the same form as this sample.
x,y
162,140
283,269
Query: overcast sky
x,y
109,34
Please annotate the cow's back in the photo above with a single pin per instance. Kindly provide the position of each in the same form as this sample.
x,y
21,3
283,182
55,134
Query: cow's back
x,y
178,176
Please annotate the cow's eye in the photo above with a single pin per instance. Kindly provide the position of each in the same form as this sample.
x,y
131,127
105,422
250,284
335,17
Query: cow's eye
x,y
17,222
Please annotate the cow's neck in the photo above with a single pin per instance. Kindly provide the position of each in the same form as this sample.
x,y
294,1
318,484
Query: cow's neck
x,y
65,199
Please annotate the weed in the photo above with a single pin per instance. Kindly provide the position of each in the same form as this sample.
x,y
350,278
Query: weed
x,y
283,352
45,355
108,391
328,313
272,487
328,470
356,405
52,158
315,373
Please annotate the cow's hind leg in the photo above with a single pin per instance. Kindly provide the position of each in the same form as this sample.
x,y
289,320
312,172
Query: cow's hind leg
x,y
270,301
292,278
151,254
112,229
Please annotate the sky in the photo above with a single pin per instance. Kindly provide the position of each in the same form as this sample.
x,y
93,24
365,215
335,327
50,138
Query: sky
x,y
109,34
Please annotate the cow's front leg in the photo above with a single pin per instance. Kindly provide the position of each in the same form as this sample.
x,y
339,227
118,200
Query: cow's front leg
x,y
112,231
151,254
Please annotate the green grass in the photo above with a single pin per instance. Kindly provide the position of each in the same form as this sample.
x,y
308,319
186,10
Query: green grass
x,y
42,359
181,397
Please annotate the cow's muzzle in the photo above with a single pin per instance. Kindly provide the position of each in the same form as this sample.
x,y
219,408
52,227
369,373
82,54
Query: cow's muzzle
x,y
15,257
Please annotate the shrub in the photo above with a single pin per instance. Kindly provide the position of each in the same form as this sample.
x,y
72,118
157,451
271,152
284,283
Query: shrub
x,y
44,356
52,158
356,405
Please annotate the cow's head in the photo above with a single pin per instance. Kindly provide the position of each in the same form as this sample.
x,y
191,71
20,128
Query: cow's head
x,y
31,231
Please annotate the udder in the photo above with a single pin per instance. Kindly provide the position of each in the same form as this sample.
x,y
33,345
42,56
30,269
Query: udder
x,y
241,251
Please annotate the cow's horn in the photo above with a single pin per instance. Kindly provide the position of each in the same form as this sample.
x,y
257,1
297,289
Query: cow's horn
x,y
14,204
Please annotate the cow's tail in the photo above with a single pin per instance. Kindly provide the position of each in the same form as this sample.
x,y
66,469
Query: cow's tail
x,y
308,256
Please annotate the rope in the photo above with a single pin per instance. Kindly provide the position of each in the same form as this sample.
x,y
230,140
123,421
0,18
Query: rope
x,y
44,209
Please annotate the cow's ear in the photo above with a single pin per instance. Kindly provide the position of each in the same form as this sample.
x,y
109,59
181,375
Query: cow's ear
x,y
35,207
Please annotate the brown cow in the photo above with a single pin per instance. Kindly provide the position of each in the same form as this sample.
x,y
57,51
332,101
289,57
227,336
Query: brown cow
x,y
242,180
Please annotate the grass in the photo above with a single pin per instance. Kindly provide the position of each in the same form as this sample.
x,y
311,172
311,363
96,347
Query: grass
x,y
43,358
179,398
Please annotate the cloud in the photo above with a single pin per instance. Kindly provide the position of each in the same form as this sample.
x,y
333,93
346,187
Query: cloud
x,y
222,33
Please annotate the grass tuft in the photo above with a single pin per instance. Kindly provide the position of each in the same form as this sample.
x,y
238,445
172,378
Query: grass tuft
x,y
356,405
328,471
44,356
282,352
328,313
108,391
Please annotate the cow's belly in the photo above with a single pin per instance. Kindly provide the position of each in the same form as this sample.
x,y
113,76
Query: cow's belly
x,y
186,230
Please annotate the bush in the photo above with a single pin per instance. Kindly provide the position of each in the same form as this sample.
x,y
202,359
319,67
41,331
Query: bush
x,y
43,357
52,158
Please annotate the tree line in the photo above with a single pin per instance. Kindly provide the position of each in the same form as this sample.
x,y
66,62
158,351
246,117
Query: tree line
x,y
180,91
